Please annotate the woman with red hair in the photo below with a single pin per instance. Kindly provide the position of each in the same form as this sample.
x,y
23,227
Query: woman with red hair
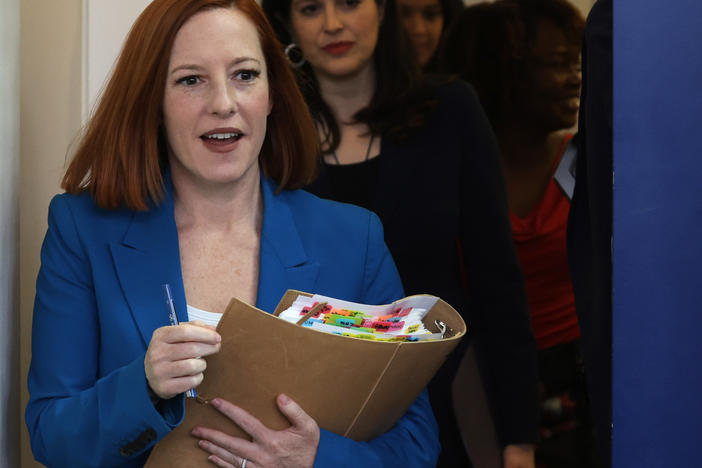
x,y
185,176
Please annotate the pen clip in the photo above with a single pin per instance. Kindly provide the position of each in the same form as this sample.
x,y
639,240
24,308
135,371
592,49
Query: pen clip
x,y
441,326
170,306
173,319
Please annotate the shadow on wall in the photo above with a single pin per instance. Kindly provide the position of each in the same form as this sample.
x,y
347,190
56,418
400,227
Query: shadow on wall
x,y
9,235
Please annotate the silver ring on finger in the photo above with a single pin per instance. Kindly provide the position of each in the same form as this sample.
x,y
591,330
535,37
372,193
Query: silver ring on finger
x,y
243,463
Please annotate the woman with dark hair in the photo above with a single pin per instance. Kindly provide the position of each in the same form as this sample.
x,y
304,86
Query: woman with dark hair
x,y
523,57
425,22
185,176
424,158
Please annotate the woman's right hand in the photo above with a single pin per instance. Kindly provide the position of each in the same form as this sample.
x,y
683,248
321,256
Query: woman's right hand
x,y
174,360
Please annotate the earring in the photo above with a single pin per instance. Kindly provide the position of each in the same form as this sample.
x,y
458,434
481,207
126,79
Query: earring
x,y
294,55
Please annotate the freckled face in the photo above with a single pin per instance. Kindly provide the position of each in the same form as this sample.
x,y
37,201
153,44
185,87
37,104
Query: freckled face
x,y
337,37
216,100
423,20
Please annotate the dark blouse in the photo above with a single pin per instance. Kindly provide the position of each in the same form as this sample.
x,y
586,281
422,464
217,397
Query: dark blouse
x,y
354,183
441,198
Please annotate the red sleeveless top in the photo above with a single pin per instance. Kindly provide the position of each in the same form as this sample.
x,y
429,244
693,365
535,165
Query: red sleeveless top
x,y
540,240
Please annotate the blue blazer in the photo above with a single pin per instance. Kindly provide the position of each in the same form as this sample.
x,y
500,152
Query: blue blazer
x,y
99,300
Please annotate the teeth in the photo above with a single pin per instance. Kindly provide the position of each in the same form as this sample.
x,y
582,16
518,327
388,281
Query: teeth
x,y
222,136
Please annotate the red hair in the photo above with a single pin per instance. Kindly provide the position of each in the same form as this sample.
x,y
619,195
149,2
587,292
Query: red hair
x,y
123,150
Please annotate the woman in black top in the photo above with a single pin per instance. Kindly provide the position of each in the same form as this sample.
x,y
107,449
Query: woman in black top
x,y
424,159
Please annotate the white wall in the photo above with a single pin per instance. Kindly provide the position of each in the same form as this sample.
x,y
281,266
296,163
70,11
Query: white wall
x,y
9,230
53,46
50,113
106,24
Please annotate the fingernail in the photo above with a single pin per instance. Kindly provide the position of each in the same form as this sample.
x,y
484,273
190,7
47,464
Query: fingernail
x,y
283,398
215,402
196,432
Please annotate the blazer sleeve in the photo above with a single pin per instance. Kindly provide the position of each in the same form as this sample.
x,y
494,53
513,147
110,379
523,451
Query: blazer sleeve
x,y
77,417
504,341
413,441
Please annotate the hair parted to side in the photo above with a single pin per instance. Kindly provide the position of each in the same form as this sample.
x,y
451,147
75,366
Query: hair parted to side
x,y
401,100
122,153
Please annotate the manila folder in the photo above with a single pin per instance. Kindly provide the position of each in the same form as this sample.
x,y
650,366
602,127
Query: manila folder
x,y
353,387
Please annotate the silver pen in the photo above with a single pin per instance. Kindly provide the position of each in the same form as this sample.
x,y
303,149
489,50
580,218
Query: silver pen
x,y
170,306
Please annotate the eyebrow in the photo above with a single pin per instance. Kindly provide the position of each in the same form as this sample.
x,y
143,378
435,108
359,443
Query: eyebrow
x,y
193,67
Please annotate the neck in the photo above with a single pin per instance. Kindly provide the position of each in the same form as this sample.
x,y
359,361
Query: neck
x,y
348,94
524,147
221,207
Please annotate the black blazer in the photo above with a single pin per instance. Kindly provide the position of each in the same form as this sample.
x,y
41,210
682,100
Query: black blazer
x,y
590,221
440,196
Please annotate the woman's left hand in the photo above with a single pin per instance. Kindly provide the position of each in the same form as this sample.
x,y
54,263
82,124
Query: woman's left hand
x,y
295,446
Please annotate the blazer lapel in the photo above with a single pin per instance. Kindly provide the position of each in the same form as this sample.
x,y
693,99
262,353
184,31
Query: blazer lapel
x,y
147,258
283,261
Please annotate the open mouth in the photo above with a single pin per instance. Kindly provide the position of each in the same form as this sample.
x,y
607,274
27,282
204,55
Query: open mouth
x,y
572,102
221,138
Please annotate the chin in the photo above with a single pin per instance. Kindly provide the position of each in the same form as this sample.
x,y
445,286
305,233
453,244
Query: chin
x,y
565,121
570,123
344,66
424,54
342,72
221,176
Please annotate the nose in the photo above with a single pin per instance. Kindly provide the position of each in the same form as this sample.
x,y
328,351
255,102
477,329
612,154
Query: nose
x,y
415,25
332,22
575,74
222,99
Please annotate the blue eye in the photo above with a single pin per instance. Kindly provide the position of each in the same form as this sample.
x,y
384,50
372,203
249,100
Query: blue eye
x,y
247,75
189,80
